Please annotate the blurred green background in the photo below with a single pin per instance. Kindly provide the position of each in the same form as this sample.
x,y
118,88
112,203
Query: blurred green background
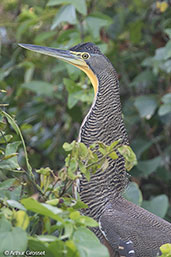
x,y
50,99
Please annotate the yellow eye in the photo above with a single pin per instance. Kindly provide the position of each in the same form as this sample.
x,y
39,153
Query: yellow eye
x,y
85,56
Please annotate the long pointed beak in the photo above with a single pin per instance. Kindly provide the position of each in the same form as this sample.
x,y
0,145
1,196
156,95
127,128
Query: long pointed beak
x,y
64,55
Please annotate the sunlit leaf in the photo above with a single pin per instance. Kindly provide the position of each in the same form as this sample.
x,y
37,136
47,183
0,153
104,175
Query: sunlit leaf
x,y
6,139
129,156
88,221
166,250
75,215
16,204
21,219
43,209
68,147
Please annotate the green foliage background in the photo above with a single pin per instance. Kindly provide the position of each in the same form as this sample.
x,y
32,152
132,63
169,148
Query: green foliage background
x,y
50,99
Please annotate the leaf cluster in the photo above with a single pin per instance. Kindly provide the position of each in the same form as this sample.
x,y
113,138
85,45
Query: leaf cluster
x,y
38,215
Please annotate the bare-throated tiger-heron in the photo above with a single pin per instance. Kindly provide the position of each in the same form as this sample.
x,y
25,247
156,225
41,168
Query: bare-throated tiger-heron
x,y
126,229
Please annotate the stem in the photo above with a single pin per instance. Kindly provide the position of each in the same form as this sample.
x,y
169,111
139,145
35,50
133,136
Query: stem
x,y
101,159
30,175
32,180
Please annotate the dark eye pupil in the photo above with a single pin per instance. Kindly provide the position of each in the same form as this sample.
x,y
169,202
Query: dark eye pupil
x,y
85,56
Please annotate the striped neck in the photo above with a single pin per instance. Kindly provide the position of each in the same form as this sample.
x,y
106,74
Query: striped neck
x,y
104,123
104,120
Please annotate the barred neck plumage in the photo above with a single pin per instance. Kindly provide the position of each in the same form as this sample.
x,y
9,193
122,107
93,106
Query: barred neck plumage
x,y
104,120
104,123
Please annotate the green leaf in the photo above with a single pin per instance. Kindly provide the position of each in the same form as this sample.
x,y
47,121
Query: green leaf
x,y
165,108
21,219
12,148
166,250
12,239
74,92
53,202
103,151
73,165
83,150
13,193
80,5
140,145
16,204
133,193
40,87
129,156
47,238
56,2
79,205
66,14
163,53
18,131
7,183
158,205
2,91
5,225
29,74
135,29
143,79
43,209
68,228
168,32
59,248
9,191
166,98
87,175
95,22
9,156
68,147
5,139
11,160
74,215
112,145
87,221
44,171
146,105
72,100
88,244
149,166
35,244
113,155
2,125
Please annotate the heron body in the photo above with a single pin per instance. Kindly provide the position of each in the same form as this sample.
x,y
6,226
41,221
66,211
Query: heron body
x,y
126,229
